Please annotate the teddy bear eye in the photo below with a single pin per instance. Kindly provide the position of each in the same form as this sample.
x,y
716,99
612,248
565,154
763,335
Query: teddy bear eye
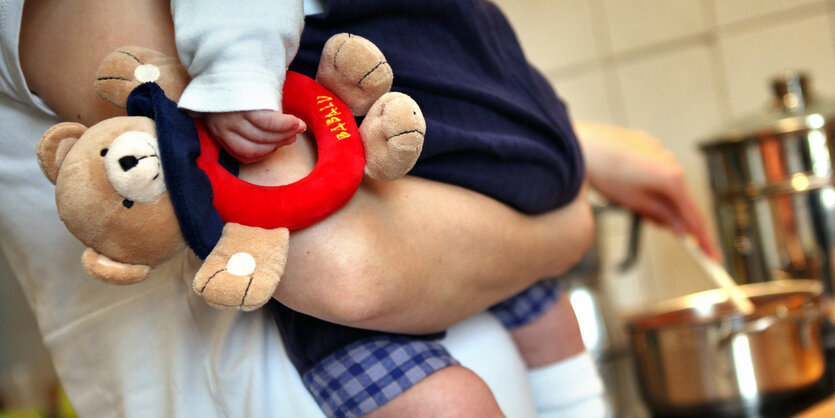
x,y
103,152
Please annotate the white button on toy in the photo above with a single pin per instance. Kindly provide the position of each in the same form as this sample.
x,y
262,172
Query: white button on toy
x,y
146,73
241,264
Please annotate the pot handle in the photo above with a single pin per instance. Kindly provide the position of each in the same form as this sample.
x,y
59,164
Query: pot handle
x,y
809,314
823,310
752,327
634,243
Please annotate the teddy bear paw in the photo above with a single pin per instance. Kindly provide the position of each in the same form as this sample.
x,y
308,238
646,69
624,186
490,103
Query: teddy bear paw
x,y
243,270
129,66
234,284
392,134
355,70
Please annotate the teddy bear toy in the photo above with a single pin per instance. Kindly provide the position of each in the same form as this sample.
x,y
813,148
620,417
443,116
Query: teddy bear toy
x,y
137,189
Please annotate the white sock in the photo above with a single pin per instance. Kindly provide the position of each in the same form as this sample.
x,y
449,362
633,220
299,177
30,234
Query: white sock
x,y
569,388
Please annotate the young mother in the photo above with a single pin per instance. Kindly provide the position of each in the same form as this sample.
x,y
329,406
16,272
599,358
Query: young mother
x,y
155,349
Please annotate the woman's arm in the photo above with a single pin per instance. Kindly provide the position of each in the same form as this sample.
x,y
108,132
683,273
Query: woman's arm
x,y
411,255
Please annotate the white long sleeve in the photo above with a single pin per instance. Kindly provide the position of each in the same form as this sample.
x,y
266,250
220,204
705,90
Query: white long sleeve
x,y
236,52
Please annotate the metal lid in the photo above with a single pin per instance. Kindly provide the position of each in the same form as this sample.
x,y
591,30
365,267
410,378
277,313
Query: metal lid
x,y
713,305
794,108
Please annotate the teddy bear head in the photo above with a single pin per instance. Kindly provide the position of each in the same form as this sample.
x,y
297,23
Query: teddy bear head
x,y
109,184
111,195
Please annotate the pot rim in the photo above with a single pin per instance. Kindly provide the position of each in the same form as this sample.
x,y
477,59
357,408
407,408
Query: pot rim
x,y
703,304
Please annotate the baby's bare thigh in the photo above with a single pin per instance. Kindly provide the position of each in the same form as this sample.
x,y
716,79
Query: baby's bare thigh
x,y
63,42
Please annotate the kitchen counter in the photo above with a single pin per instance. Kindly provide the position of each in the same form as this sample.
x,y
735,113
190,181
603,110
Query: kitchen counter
x,y
824,409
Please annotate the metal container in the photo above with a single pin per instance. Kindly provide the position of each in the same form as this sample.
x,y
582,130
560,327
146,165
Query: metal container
x,y
771,178
602,330
590,298
695,354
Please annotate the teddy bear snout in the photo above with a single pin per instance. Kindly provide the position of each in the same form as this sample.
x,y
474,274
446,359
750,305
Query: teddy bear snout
x,y
133,167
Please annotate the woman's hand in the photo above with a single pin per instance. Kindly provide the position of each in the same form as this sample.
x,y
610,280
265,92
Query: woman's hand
x,y
632,169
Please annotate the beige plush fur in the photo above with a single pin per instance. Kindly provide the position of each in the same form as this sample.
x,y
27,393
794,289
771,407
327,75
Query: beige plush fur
x,y
127,67
51,153
114,272
354,69
226,288
111,194
146,234
392,134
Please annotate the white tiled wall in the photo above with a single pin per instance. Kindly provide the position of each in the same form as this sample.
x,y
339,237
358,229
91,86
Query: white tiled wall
x,y
732,11
750,57
680,70
639,24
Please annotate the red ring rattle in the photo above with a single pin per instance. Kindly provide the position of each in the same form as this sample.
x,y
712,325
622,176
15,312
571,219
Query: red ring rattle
x,y
331,184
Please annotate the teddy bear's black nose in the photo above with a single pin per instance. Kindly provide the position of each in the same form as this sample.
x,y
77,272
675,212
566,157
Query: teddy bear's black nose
x,y
128,162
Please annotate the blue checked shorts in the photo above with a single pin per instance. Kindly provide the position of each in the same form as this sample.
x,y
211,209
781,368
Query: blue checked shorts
x,y
357,379
527,305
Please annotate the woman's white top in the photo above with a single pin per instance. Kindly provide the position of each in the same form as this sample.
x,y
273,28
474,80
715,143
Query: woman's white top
x,y
155,348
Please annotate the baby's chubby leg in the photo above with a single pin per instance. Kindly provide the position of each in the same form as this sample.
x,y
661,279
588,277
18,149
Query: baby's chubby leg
x,y
451,392
552,337
562,373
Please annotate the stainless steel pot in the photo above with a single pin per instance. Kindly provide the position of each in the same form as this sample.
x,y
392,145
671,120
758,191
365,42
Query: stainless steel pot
x,y
771,177
600,327
696,353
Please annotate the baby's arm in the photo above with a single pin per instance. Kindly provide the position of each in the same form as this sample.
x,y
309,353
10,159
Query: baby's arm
x,y
251,135
237,55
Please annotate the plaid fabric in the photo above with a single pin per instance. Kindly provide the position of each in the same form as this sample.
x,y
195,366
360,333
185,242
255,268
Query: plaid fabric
x,y
359,378
527,305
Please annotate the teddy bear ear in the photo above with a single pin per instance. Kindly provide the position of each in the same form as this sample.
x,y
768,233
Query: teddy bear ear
x,y
54,146
129,66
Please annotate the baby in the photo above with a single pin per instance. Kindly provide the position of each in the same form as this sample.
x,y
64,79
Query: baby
x,y
237,55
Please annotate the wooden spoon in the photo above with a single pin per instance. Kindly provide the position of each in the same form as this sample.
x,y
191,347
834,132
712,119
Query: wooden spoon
x,y
719,275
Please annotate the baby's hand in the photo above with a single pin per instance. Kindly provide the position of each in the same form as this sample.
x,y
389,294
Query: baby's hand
x,y
251,135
